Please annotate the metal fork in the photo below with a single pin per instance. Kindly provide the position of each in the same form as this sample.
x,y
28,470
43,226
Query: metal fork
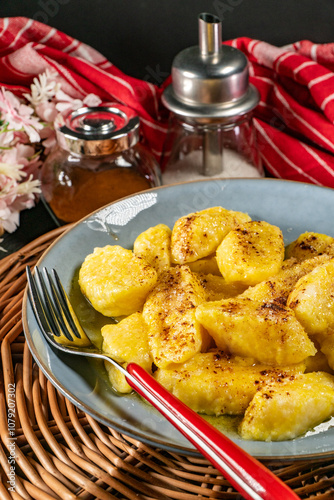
x,y
61,328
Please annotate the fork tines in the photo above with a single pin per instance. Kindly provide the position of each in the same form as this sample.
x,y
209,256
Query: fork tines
x,y
50,303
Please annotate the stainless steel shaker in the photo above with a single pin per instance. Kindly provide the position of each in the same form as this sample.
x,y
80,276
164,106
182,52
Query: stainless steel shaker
x,y
211,102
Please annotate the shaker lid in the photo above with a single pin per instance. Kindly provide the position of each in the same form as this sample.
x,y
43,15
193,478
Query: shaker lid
x,y
210,80
98,131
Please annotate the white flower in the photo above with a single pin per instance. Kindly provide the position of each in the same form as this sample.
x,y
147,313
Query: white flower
x,y
47,111
92,100
67,103
11,171
43,89
29,187
5,138
15,197
18,116
9,219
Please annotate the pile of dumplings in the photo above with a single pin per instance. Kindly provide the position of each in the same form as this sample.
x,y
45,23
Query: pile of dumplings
x,y
225,317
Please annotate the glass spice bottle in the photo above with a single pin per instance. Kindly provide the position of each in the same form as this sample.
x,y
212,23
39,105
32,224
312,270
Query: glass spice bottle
x,y
98,159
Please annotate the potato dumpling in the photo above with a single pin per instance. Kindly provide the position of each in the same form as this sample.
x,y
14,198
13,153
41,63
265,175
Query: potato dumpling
x,y
154,246
126,342
115,281
117,379
269,332
251,253
326,343
312,299
309,245
175,335
216,288
287,409
217,383
198,235
207,265
318,362
278,288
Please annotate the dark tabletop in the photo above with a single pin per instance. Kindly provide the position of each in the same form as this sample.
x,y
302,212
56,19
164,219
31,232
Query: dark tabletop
x,y
33,223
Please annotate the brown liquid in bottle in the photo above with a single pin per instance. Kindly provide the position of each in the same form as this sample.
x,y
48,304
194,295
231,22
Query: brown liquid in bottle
x,y
91,190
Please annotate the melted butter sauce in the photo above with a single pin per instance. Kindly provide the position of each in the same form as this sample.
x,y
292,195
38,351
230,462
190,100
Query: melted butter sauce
x,y
227,424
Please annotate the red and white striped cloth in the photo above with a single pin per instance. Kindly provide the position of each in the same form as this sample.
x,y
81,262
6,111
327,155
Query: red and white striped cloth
x,y
295,116
294,119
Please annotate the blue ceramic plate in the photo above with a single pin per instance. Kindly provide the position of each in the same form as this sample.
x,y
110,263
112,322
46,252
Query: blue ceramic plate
x,y
294,207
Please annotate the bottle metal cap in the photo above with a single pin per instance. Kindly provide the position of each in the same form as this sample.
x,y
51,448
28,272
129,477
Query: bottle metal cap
x,y
210,80
97,131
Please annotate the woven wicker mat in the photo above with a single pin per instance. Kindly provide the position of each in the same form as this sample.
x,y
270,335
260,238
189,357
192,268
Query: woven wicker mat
x,y
56,451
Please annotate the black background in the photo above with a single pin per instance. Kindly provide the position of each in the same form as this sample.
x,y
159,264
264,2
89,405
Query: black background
x,y
141,37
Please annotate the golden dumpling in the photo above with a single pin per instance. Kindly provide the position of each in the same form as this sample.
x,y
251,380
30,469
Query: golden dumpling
x,y
286,409
115,281
251,253
175,335
126,342
217,383
198,235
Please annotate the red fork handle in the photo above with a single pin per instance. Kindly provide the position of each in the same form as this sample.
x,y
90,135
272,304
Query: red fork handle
x,y
244,472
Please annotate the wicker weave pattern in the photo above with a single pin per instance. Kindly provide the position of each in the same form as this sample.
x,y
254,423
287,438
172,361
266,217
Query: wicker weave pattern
x,y
62,453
